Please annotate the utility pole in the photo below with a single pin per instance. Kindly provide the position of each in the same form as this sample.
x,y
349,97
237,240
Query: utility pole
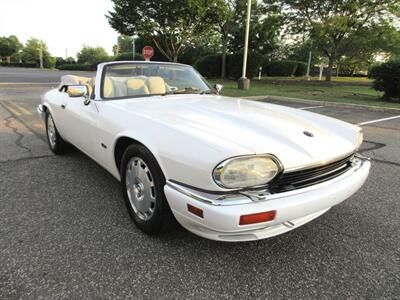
x,y
309,63
244,82
133,46
41,55
66,53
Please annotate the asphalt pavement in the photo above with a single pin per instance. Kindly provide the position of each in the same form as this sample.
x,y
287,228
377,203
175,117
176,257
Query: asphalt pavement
x,y
65,232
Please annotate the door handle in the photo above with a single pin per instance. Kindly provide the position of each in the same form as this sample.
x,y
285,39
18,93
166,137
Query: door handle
x,y
64,105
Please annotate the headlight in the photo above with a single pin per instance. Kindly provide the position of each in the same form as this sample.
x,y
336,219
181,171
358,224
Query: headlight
x,y
246,171
360,139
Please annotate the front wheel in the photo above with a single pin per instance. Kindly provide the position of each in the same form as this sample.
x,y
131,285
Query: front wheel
x,y
54,139
142,183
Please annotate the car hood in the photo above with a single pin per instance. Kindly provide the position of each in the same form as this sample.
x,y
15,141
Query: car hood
x,y
296,137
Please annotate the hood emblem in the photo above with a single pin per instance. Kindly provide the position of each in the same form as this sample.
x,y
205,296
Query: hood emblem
x,y
307,133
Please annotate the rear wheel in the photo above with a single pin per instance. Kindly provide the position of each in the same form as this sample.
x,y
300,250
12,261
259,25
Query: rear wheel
x,y
143,183
55,141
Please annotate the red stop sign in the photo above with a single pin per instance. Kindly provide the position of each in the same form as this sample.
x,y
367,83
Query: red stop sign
x,y
148,52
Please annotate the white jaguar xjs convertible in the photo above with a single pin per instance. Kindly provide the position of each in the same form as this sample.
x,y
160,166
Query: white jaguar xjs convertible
x,y
226,169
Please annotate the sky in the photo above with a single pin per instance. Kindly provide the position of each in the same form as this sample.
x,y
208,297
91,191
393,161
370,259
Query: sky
x,y
61,24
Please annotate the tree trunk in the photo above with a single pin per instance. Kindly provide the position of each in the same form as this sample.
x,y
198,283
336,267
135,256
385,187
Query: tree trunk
x,y
337,69
223,58
330,67
175,58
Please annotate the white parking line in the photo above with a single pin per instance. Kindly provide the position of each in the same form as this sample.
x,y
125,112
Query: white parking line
x,y
379,120
310,107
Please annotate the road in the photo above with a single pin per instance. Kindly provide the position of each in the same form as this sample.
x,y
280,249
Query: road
x,y
65,233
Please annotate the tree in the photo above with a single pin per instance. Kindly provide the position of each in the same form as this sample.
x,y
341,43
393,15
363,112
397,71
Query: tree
x,y
124,44
170,24
92,55
381,38
31,53
9,46
265,26
333,24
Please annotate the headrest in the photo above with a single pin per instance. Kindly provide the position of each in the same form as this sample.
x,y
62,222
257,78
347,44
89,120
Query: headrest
x,y
136,86
156,85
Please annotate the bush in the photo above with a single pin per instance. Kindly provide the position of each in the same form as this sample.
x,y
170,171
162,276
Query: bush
x,y
128,56
235,64
17,64
387,78
285,68
209,66
301,69
78,67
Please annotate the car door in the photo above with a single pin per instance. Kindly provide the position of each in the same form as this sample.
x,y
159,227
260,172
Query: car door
x,y
80,124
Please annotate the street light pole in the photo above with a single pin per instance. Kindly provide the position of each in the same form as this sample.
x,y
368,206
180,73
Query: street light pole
x,y
41,55
133,46
244,83
309,63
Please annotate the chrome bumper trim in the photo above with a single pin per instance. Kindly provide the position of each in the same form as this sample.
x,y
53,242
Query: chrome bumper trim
x,y
41,111
251,196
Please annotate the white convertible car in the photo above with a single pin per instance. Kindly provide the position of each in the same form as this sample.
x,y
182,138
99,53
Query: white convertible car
x,y
226,169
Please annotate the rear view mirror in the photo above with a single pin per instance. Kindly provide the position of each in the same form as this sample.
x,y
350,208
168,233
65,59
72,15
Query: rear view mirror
x,y
75,91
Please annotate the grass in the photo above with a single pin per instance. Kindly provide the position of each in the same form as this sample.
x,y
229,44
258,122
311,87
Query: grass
x,y
352,80
354,94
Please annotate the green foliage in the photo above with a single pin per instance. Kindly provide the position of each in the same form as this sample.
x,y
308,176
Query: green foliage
x,y
235,64
209,66
265,27
128,56
170,24
78,67
124,44
285,68
333,26
9,45
31,53
61,61
92,55
17,64
387,78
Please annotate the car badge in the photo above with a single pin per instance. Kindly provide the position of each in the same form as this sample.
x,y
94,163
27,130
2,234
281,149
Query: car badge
x,y
307,133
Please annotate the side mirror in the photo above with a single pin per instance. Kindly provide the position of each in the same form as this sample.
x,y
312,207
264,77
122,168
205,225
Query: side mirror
x,y
218,87
77,91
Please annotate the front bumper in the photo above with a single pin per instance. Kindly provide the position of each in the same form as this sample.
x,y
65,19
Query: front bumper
x,y
41,111
221,214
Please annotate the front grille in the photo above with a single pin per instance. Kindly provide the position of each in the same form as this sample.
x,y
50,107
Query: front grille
x,y
307,177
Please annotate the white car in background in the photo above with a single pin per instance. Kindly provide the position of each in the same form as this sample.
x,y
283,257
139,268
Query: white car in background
x,y
226,169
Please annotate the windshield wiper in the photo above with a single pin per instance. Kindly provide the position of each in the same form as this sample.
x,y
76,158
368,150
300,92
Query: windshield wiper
x,y
186,90
206,92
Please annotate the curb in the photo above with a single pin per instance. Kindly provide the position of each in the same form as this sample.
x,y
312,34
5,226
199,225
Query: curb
x,y
324,103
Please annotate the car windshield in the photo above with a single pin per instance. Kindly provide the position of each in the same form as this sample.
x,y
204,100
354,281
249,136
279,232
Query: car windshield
x,y
127,80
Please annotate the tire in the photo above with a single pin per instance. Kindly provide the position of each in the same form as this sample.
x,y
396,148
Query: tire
x,y
56,143
142,182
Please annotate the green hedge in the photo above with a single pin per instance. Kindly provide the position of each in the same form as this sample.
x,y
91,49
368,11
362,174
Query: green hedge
x,y
387,78
128,56
17,64
78,67
209,66
235,64
285,68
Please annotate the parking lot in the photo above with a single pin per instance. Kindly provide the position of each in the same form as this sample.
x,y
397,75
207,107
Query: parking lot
x,y
65,232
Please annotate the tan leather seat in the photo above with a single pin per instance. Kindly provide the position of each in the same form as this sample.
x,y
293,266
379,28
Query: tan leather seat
x,y
108,88
156,85
136,87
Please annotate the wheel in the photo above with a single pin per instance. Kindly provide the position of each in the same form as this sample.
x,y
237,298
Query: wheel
x,y
55,141
143,183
